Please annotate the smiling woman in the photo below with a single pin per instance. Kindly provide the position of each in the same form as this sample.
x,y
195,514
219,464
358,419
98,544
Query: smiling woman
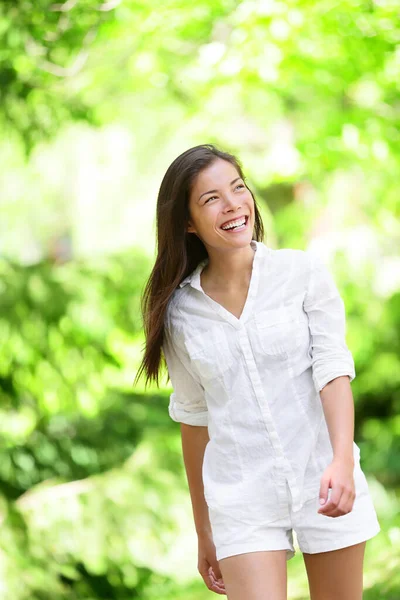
x,y
223,219
194,201
254,344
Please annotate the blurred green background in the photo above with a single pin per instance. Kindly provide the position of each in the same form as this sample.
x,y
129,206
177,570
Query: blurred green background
x,y
97,99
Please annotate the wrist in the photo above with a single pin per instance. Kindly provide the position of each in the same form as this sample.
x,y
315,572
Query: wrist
x,y
343,457
204,533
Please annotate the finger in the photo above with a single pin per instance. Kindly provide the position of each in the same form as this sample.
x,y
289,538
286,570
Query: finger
x,y
323,491
327,507
352,500
218,580
334,496
213,584
218,589
207,580
216,570
329,510
333,501
218,583
341,509
204,570
346,503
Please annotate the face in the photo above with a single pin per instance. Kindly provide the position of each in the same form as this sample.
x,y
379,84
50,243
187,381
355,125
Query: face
x,y
219,196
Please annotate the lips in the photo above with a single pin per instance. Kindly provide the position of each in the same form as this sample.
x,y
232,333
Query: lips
x,y
236,219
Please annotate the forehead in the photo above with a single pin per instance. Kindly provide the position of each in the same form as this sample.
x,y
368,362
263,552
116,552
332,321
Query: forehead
x,y
219,173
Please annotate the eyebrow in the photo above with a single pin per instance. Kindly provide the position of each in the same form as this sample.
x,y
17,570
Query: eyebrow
x,y
214,191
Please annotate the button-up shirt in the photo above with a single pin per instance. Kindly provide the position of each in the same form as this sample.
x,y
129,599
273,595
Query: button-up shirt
x,y
254,381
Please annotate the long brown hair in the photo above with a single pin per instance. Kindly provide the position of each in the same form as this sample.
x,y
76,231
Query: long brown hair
x,y
178,252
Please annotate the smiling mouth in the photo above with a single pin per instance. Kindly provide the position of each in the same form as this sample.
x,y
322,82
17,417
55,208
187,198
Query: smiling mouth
x,y
238,228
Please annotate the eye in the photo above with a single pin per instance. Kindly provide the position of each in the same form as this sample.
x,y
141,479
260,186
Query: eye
x,y
240,185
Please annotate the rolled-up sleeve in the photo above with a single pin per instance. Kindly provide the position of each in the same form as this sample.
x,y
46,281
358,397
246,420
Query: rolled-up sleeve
x,y
187,402
325,309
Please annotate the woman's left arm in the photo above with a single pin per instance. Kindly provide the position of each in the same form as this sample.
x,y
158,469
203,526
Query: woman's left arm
x,y
338,405
332,371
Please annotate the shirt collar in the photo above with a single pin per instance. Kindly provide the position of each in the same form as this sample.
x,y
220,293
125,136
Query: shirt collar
x,y
194,277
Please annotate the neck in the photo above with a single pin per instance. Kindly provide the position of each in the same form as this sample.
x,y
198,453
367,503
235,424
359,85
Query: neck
x,y
229,269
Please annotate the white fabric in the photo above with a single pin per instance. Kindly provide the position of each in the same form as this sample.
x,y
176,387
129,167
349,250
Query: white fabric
x,y
314,532
255,381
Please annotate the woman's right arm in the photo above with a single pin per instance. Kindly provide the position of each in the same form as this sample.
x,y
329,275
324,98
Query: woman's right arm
x,y
194,441
188,407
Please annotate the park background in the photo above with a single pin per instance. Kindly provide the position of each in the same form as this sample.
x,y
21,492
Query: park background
x,y
97,99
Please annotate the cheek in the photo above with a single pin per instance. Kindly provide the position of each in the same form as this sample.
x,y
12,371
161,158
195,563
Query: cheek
x,y
208,218
196,218
249,200
205,222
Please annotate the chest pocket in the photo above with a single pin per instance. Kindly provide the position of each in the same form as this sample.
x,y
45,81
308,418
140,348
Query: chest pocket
x,y
278,332
209,352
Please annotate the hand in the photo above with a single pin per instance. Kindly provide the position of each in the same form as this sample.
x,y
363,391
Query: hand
x,y
208,566
338,476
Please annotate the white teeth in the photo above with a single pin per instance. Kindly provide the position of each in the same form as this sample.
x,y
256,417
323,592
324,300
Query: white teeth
x,y
235,224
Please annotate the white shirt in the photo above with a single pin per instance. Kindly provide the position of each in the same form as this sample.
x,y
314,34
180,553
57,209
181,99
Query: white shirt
x,y
255,381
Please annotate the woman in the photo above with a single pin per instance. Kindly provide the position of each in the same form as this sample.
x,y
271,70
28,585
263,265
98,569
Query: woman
x,y
254,343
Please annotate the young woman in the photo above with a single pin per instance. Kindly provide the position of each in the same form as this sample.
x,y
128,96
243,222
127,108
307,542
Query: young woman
x,y
254,344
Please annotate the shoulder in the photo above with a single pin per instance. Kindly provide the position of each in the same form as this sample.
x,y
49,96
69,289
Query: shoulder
x,y
292,254
292,260
174,319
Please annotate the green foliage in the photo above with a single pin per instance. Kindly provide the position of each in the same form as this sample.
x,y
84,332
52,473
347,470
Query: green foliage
x,y
60,331
42,44
275,60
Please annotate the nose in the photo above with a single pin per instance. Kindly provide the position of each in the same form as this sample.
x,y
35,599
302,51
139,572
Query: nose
x,y
231,203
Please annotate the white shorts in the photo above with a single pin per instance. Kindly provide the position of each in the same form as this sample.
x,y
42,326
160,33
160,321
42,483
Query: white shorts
x,y
314,532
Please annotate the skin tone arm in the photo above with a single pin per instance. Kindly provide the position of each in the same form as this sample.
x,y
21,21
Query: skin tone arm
x,y
194,441
338,405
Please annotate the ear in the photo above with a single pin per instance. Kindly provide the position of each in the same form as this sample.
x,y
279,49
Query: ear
x,y
190,228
